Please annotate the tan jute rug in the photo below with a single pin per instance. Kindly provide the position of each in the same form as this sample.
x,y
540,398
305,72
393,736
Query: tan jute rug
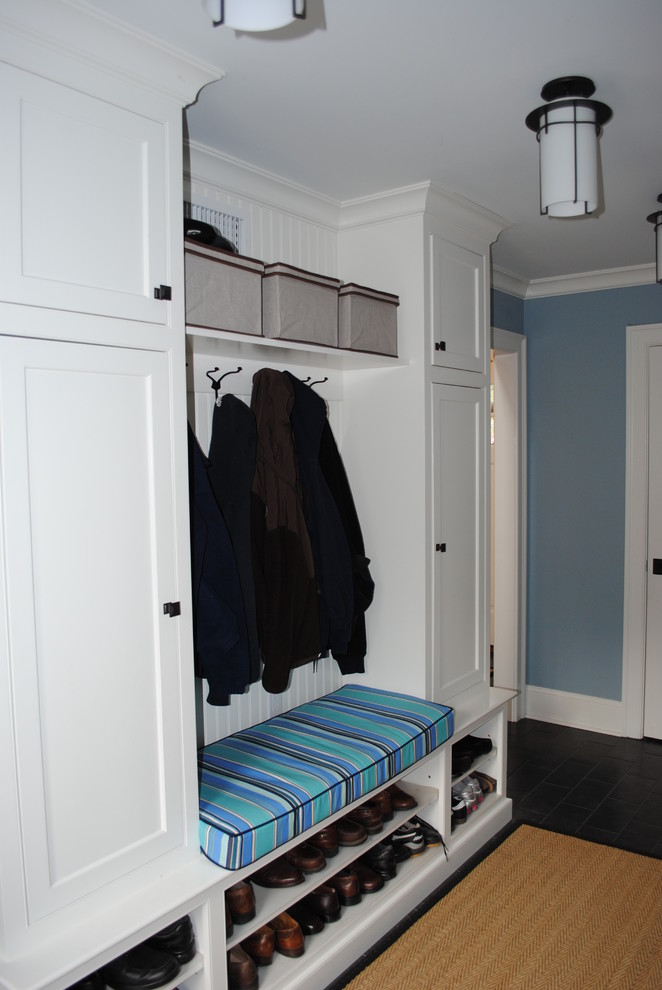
x,y
543,911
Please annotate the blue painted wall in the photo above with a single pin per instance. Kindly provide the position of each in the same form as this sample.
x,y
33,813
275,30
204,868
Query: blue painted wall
x,y
576,480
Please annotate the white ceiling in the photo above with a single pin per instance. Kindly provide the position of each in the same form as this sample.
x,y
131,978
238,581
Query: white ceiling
x,y
369,95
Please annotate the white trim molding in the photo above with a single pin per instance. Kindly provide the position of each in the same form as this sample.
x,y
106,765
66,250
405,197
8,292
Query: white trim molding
x,y
639,340
563,285
580,711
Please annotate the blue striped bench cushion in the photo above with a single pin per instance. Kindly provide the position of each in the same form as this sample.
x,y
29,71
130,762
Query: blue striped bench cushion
x,y
265,785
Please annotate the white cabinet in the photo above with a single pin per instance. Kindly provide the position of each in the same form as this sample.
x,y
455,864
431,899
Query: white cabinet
x,y
92,661
98,820
459,444
458,286
83,202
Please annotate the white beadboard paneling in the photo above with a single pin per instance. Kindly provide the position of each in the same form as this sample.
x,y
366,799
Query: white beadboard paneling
x,y
302,231
307,682
284,222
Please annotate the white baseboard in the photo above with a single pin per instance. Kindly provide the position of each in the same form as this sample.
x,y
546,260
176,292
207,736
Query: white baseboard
x,y
581,711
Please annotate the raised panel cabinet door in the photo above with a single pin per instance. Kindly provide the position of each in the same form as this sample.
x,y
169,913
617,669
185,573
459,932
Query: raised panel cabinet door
x,y
459,611
457,306
91,661
83,202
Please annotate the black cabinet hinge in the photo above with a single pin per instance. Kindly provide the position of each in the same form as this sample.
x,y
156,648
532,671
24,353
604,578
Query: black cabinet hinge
x,y
163,292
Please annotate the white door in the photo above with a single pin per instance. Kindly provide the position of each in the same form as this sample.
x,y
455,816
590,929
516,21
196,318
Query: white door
x,y
653,678
89,662
460,579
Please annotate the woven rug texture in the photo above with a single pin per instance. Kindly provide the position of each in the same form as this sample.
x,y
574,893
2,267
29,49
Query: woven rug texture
x,y
543,911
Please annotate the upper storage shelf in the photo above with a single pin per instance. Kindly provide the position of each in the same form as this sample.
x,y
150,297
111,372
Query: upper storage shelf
x,y
245,348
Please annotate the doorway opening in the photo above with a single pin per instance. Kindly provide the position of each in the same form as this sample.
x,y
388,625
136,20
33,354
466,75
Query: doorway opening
x,y
508,515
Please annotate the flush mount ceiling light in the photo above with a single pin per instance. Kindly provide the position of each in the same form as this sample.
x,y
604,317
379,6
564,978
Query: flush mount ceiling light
x,y
255,15
568,128
656,218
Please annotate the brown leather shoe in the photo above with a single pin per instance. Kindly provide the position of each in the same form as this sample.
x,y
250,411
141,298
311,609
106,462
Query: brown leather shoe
x,y
326,840
242,971
260,945
229,927
307,858
350,833
346,885
279,873
289,937
383,799
367,814
323,901
369,881
240,899
400,800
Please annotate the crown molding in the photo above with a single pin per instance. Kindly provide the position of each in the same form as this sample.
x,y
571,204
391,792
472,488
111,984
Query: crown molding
x,y
508,282
563,285
423,199
72,43
223,173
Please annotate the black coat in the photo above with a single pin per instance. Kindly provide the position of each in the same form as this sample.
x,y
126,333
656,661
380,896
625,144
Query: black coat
x,y
352,660
231,468
331,553
219,625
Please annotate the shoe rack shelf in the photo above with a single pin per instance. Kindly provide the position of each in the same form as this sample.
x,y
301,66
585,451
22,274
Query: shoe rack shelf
x,y
330,952
188,971
272,901
339,939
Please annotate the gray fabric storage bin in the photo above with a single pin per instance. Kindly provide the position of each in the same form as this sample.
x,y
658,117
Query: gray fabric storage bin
x,y
223,290
367,320
299,305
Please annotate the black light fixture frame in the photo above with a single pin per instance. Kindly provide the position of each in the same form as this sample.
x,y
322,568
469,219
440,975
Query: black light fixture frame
x,y
568,91
298,11
656,219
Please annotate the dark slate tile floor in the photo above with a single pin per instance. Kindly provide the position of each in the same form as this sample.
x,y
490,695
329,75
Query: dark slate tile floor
x,y
596,786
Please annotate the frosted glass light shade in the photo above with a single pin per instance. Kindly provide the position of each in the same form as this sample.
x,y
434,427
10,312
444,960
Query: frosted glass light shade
x,y
568,129
568,138
255,15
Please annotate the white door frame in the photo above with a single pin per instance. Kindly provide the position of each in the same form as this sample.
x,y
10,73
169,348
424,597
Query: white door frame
x,y
639,340
510,517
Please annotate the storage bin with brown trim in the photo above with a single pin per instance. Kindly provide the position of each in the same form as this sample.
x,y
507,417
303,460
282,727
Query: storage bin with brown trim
x,y
299,305
367,320
223,290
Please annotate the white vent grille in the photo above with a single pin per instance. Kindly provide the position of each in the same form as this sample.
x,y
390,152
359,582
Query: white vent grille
x,y
229,226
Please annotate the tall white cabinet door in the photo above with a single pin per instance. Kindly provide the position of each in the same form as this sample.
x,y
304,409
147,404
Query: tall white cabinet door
x,y
89,662
458,281
460,530
83,202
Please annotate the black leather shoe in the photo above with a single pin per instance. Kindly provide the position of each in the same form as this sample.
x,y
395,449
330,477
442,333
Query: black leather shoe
x,y
381,859
141,968
92,982
309,922
323,901
178,939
